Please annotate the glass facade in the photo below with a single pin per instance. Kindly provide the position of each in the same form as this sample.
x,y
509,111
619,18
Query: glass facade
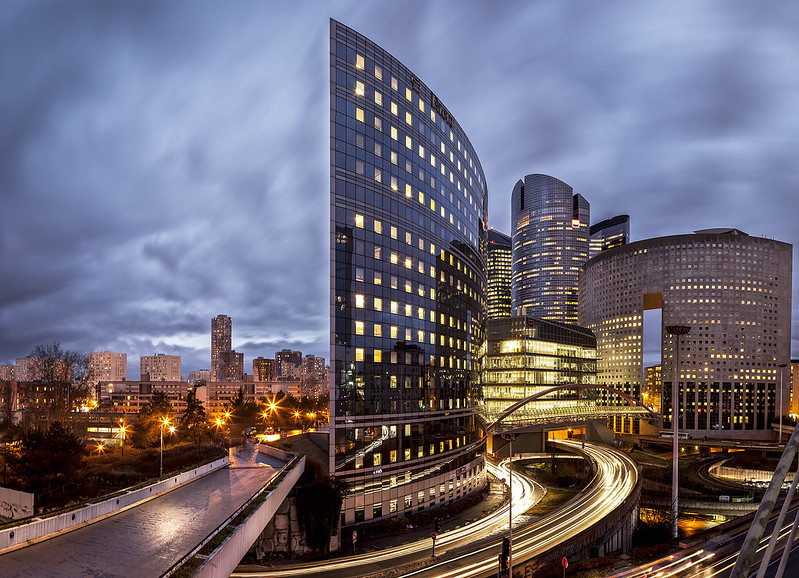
x,y
523,356
550,244
732,290
613,232
408,233
498,268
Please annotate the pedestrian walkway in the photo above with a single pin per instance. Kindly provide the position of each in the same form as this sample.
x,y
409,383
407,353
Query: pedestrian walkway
x,y
149,538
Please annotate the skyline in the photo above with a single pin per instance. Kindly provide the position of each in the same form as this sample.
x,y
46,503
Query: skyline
x,y
215,151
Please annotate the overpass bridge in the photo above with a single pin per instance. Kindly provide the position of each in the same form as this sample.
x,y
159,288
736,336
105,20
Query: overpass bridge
x,y
574,404
153,536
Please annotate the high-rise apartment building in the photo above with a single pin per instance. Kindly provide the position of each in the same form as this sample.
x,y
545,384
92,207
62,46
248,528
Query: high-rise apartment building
x,y
7,373
609,233
221,342
26,369
734,293
408,229
231,366
107,366
159,367
550,244
498,275
288,365
263,369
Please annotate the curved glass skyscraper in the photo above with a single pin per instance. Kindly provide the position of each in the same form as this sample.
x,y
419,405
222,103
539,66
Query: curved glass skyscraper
x,y
408,227
550,244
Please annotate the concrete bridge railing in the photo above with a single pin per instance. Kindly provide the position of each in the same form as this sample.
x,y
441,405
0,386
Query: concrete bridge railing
x,y
240,535
41,528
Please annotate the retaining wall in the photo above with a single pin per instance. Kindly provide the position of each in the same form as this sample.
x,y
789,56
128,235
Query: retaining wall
x,y
42,528
15,504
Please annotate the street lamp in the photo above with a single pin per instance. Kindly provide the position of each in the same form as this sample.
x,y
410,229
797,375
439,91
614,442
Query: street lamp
x,y
781,366
676,330
510,437
162,422
123,430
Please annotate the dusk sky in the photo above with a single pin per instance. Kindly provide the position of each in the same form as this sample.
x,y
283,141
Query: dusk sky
x,y
165,162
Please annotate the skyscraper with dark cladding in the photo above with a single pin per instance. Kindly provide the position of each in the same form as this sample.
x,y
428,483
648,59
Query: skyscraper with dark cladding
x,y
498,275
550,244
613,232
408,229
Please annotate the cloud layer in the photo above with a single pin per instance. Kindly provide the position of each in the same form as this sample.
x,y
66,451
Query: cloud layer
x,y
161,163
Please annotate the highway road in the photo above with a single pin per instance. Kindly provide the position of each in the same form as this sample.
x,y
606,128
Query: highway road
x,y
705,561
473,549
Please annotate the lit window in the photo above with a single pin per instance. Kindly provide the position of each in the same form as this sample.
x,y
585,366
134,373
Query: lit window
x,y
378,149
378,175
378,356
377,253
358,354
408,118
393,83
408,310
359,221
378,330
359,301
393,158
378,278
358,61
408,191
408,263
394,183
378,98
394,308
393,107
421,197
378,227
408,143
408,238
394,336
359,114
359,328
408,94
378,73
408,287
394,132
359,88
378,304
421,105
420,336
378,124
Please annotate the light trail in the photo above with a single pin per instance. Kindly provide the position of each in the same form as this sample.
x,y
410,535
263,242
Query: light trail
x,y
615,478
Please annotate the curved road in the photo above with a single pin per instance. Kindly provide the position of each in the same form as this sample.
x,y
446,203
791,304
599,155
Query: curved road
x,y
145,540
474,547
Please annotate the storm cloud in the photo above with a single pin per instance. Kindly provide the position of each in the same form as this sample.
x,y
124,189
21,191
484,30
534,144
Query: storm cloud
x,y
165,162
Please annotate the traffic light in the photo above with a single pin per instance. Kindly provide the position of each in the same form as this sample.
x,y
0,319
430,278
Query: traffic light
x,y
503,559
437,525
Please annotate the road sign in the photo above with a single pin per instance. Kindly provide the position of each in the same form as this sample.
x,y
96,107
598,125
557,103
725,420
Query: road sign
x,y
564,562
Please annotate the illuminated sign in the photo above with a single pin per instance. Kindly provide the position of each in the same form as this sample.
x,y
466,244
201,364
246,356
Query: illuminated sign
x,y
437,105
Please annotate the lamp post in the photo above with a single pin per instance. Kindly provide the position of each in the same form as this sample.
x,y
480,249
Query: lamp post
x,y
163,422
781,366
510,437
676,330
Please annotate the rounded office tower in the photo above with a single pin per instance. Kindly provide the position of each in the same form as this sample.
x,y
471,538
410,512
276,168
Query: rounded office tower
x,y
408,228
734,293
550,243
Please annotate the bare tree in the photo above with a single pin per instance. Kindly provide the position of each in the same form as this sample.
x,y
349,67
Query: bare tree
x,y
62,376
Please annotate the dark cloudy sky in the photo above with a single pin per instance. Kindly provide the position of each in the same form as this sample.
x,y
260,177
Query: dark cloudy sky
x,y
164,162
